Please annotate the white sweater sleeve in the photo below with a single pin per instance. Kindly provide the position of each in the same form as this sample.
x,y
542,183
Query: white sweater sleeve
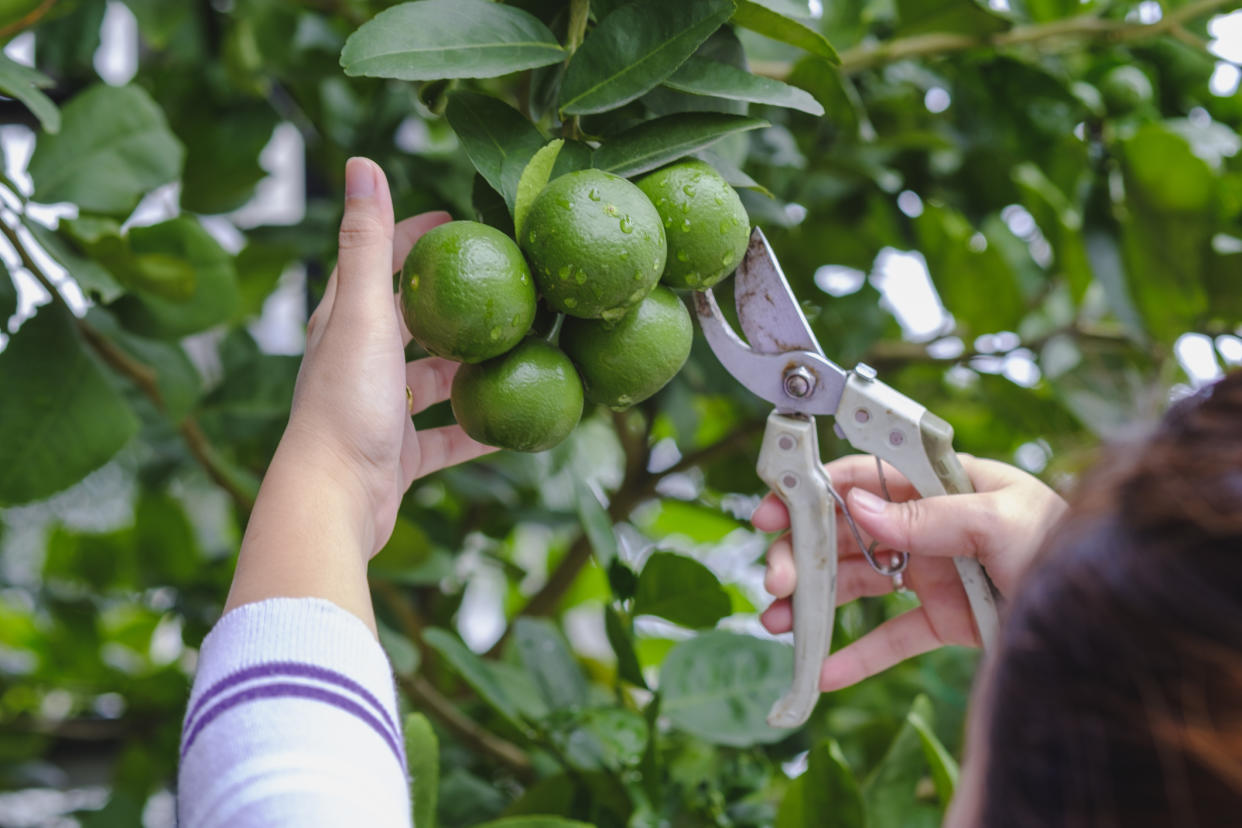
x,y
292,720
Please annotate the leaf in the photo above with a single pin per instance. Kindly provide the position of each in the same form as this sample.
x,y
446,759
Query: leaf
x,y
92,277
605,739
422,753
434,39
956,16
159,274
681,590
535,822
534,178
700,523
700,76
827,787
943,766
547,658
177,379
890,790
719,686
115,146
215,295
762,20
635,48
497,138
68,419
24,84
731,173
619,638
597,525
657,142
474,671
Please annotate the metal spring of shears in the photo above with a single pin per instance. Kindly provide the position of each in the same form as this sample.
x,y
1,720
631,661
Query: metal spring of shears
x,y
898,560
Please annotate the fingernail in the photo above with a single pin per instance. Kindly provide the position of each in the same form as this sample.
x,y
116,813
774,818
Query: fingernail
x,y
359,178
864,501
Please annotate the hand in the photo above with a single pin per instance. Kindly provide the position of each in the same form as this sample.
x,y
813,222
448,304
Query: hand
x,y
350,405
1002,524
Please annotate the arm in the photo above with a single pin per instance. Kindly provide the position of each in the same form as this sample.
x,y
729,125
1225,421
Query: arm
x,y
293,716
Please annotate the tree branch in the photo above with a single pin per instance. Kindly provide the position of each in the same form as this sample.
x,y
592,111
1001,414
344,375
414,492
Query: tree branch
x,y
138,372
1058,33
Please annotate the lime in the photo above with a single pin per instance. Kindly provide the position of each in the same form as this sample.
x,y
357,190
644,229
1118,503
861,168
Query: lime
x,y
528,399
595,244
704,220
466,292
627,361
1125,89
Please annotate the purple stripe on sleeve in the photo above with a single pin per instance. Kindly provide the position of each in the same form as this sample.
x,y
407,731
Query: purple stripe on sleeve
x,y
275,669
291,690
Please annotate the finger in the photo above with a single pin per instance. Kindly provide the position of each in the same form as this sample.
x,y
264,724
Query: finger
x,y
770,515
780,579
438,448
319,318
430,381
897,639
410,230
942,525
855,579
364,288
778,617
846,473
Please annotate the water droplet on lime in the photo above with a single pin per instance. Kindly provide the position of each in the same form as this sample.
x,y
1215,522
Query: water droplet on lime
x,y
685,206
570,302
564,202
726,260
581,277
638,275
688,190
564,271
627,224
593,194
694,279
496,333
532,237
683,256
414,281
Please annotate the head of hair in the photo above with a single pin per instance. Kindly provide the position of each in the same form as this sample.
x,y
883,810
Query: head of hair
x,y
1115,695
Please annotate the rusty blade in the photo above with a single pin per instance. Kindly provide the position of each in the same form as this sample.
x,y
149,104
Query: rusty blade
x,y
767,309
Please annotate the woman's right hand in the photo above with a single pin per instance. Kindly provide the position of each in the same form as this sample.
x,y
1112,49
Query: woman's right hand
x,y
1003,523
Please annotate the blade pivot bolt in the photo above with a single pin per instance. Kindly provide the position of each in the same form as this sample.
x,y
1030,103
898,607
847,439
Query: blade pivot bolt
x,y
799,382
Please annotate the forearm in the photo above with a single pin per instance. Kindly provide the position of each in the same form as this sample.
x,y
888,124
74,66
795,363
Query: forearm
x,y
309,534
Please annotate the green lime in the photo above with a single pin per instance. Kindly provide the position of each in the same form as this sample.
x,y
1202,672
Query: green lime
x,y
1125,89
595,244
528,399
625,362
704,220
466,292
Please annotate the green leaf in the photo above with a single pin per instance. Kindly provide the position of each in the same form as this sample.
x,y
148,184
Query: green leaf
x,y
719,686
8,298
943,766
1161,168
548,659
92,277
534,178
619,638
731,173
474,671
890,790
115,146
690,520
69,419
24,84
535,822
657,142
605,739
762,20
434,39
597,525
634,49
700,76
827,787
422,753
215,295
159,274
681,590
176,378
956,16
497,138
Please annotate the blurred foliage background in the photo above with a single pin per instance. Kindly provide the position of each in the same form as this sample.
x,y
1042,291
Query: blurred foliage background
x,y
1024,214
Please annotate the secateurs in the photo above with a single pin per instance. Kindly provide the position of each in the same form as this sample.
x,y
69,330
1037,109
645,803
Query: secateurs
x,y
784,365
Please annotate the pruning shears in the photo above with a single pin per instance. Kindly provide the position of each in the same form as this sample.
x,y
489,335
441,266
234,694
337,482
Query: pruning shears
x,y
781,362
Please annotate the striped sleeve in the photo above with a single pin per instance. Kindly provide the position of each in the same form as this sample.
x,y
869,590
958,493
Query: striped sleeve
x,y
292,720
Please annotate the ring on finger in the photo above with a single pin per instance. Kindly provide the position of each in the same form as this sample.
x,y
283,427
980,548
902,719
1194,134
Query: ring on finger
x,y
409,401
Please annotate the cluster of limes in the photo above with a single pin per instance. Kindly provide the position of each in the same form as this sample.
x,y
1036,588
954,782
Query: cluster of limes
x,y
595,247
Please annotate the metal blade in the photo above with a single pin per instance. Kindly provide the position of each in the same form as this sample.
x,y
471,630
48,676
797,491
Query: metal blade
x,y
767,309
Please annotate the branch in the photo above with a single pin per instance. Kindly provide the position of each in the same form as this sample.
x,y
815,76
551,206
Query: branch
x,y
142,375
934,44
27,20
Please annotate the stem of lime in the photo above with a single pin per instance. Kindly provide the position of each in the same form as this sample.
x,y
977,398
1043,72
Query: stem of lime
x,y
579,11
554,334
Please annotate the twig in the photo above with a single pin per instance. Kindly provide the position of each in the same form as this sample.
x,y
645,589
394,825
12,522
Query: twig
x,y
138,372
27,20
933,44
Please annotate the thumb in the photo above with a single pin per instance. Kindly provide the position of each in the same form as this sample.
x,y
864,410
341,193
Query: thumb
x,y
944,525
364,264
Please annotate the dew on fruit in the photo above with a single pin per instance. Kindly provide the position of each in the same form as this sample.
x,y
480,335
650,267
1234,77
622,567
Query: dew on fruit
x,y
627,224
414,281
613,314
570,302
531,237
726,260
694,279
496,334
719,201
564,271
688,190
625,400
611,209
593,194
683,256
636,297
517,317
685,226
638,276
581,277
564,202
685,206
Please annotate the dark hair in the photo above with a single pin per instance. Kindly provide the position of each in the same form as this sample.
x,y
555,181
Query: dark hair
x,y
1115,696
